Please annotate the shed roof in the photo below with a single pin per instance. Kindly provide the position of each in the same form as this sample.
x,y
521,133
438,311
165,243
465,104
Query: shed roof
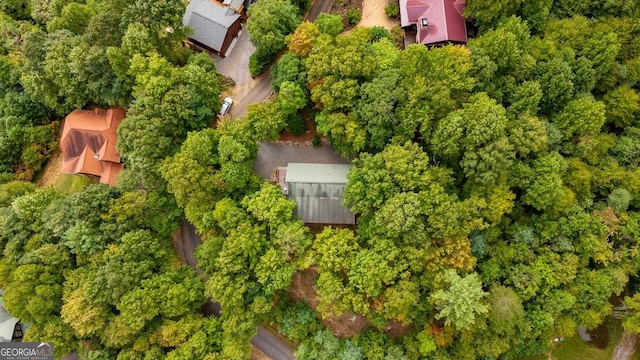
x,y
210,21
317,173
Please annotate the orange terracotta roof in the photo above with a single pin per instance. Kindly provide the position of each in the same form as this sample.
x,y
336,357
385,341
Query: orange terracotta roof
x,y
88,163
88,142
110,172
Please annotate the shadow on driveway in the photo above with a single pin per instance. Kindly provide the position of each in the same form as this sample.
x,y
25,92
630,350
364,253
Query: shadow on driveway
x,y
271,155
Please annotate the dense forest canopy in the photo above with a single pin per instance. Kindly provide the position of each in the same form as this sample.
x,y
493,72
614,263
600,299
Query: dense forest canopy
x,y
496,183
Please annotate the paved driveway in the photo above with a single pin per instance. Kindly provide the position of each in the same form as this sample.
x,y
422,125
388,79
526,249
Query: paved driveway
x,y
271,155
318,7
236,66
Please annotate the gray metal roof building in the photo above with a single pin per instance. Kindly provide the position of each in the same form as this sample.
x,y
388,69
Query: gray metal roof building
x,y
215,25
318,190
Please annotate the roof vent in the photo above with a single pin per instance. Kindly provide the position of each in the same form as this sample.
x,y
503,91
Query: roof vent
x,y
424,22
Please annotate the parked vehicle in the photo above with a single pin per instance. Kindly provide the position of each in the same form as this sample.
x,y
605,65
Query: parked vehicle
x,y
226,106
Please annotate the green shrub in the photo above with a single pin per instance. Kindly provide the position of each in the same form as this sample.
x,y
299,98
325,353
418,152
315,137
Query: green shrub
x,y
398,36
378,33
392,11
329,24
316,141
353,16
259,61
295,124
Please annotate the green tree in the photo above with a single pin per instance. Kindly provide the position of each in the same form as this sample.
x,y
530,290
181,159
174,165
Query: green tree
x,y
291,97
489,12
525,99
17,9
619,199
505,309
346,134
376,109
622,106
269,22
480,122
632,323
584,116
329,24
462,301
288,68
556,78
266,120
75,17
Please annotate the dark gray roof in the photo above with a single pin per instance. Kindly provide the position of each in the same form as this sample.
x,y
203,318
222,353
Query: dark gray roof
x,y
318,191
7,324
317,173
320,203
210,21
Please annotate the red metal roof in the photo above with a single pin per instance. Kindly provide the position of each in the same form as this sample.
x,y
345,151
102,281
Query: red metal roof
x,y
444,18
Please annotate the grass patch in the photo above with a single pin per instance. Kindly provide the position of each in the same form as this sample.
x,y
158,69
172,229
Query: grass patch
x,y
575,349
70,183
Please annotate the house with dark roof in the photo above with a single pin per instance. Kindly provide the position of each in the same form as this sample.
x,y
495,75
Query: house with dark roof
x,y
88,143
216,25
10,328
318,191
436,22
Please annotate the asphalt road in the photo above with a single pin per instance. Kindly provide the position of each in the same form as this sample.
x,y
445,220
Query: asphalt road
x,y
317,7
185,241
271,346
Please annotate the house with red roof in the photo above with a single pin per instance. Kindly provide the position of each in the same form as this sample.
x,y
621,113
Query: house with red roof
x,y
88,143
436,22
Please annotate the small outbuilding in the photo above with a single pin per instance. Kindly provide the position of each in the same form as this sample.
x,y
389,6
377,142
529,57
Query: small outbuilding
x,y
216,25
318,190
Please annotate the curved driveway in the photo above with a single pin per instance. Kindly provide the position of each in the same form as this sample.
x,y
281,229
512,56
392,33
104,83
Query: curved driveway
x,y
248,90
185,241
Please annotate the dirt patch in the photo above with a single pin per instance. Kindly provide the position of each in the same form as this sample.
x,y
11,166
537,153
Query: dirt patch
x,y
302,289
373,14
306,137
256,354
396,329
340,7
51,170
302,286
